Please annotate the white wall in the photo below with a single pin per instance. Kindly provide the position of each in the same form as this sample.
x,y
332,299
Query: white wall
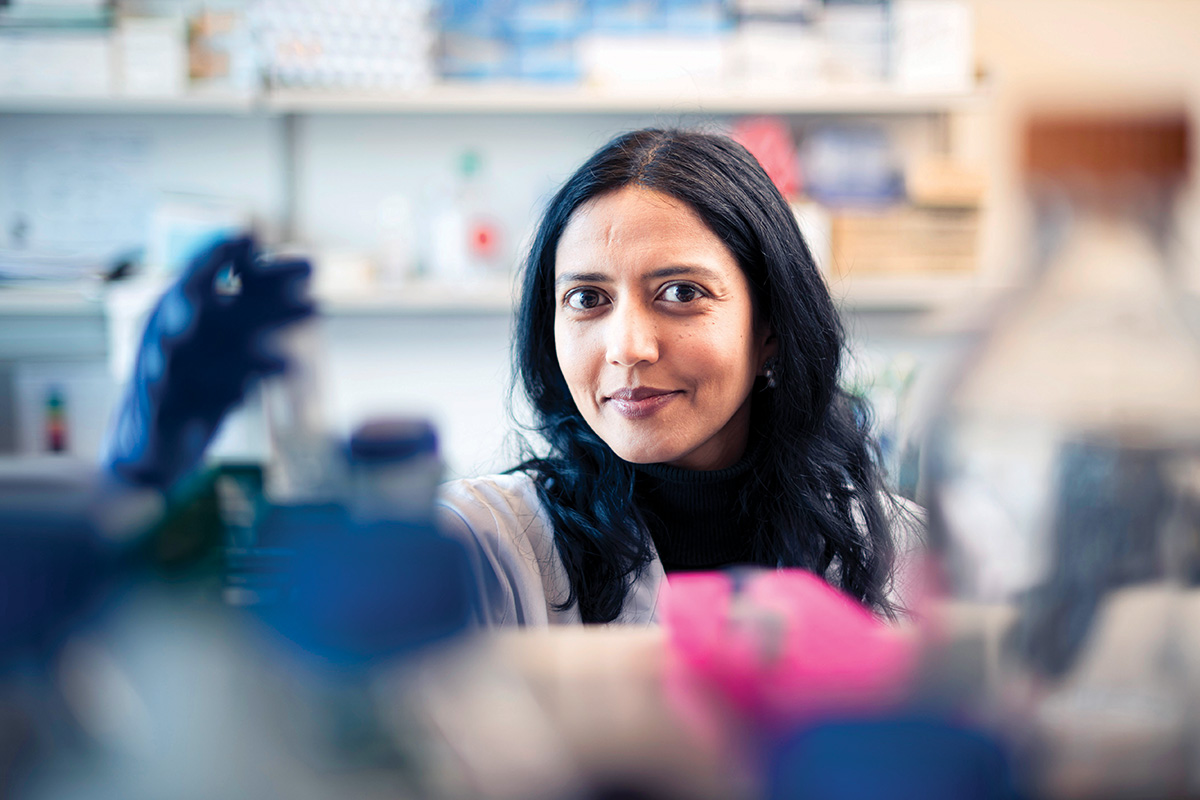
x,y
233,157
451,369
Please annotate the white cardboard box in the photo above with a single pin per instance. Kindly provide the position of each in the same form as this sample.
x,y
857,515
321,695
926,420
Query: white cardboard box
x,y
75,63
933,45
152,56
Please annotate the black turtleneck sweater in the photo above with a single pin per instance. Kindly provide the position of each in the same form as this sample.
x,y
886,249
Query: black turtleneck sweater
x,y
696,518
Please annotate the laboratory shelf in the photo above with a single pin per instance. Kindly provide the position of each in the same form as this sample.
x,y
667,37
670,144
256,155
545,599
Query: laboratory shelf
x,y
517,99
487,98
51,324
82,299
902,293
192,103
907,293
491,296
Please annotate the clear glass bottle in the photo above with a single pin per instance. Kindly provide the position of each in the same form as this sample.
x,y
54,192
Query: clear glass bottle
x,y
305,464
1065,470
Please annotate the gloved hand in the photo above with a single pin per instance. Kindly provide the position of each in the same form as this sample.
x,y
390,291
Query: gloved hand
x,y
202,350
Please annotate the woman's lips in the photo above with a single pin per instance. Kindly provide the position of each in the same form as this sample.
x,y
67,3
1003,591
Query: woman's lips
x,y
640,402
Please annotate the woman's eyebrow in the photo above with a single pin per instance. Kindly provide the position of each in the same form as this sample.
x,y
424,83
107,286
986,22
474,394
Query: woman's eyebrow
x,y
581,277
685,270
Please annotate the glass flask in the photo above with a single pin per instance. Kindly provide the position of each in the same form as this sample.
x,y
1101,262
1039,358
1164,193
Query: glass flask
x,y
1066,474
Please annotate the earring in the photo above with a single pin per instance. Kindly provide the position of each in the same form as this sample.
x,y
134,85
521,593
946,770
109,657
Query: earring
x,y
769,372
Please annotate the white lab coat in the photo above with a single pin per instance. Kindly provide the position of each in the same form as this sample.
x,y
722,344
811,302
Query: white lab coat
x,y
519,574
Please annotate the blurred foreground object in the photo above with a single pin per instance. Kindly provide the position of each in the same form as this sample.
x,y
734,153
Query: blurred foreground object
x,y
784,646
60,539
1067,473
805,689
124,675
891,758
204,346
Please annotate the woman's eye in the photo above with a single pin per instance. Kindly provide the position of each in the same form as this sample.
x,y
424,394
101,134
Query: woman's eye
x,y
680,293
584,299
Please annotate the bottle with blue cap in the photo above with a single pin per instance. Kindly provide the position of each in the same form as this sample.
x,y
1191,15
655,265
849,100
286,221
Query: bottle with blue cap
x,y
394,469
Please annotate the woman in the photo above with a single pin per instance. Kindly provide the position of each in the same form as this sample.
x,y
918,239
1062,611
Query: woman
x,y
681,354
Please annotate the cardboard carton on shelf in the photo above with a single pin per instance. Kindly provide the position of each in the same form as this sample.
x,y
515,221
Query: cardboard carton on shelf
x,y
935,233
905,240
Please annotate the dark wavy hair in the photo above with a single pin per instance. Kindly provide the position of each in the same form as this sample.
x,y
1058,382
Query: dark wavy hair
x,y
817,491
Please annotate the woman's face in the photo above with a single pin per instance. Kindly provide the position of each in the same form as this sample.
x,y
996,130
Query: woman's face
x,y
655,332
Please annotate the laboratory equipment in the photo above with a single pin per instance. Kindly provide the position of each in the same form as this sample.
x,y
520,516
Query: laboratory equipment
x,y
394,469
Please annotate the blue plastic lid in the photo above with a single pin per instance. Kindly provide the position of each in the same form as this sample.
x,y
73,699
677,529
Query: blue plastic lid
x,y
390,440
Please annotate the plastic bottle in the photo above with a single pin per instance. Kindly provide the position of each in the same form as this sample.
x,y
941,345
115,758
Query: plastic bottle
x,y
485,236
397,240
394,470
468,239
56,421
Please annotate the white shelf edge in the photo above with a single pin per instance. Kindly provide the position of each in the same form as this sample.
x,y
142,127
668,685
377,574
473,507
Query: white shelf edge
x,y
902,293
25,301
883,293
195,103
911,293
516,99
422,298
511,99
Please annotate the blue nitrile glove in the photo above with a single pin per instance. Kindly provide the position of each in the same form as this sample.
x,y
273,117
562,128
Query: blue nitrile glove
x,y
203,348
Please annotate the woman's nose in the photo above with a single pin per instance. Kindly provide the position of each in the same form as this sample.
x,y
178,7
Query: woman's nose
x,y
631,337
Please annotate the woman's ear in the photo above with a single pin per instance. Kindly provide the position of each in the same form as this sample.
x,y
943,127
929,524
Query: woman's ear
x,y
768,347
